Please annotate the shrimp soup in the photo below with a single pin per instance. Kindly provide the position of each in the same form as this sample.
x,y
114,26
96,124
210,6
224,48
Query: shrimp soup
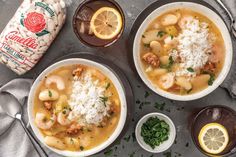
x,y
76,108
182,52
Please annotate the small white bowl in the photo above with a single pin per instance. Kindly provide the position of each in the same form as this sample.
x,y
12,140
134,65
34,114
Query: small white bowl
x,y
209,13
106,71
163,146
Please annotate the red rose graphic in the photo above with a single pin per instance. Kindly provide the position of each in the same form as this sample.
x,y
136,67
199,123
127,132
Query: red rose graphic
x,y
34,22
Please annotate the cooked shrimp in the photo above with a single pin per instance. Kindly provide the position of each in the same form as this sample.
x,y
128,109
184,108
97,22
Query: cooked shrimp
x,y
166,81
217,54
43,122
57,80
47,105
78,71
185,20
62,118
74,129
173,42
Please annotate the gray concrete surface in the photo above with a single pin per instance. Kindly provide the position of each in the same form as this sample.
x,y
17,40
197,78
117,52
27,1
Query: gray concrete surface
x,y
66,43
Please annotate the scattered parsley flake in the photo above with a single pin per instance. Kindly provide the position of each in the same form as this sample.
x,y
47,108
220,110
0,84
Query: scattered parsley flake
x,y
146,45
49,93
81,148
159,106
190,69
146,94
187,144
108,152
132,154
167,154
127,138
108,85
169,65
161,33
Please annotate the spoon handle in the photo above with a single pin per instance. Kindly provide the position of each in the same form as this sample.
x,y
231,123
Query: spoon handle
x,y
226,9
32,139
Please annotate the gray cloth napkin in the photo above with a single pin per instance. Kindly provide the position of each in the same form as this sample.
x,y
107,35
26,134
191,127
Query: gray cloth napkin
x,y
12,135
230,82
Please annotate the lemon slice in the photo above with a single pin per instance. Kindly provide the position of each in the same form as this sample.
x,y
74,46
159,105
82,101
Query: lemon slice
x,y
213,138
106,23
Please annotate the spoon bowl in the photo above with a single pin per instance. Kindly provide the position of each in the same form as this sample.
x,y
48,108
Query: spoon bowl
x,y
10,105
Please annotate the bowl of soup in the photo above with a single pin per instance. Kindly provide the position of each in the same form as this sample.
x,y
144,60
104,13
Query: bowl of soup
x,y
77,107
183,50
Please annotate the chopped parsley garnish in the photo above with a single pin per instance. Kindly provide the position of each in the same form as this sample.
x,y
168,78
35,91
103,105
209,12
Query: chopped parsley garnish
x,y
167,154
146,45
155,131
190,69
161,33
108,152
138,101
187,144
146,94
81,148
178,154
132,154
108,85
211,80
144,103
127,138
64,111
104,100
171,37
49,93
212,77
189,91
169,65
159,106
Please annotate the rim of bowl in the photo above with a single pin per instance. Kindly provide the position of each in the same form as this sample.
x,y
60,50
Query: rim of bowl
x,y
106,71
141,121
226,37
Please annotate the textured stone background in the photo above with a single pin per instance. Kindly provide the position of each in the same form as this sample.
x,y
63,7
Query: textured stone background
x,y
66,43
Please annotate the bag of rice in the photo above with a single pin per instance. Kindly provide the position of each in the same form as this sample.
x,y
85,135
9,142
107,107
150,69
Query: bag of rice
x,y
30,32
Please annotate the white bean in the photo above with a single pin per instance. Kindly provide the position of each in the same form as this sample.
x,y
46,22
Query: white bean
x,y
169,19
54,142
156,47
152,35
48,95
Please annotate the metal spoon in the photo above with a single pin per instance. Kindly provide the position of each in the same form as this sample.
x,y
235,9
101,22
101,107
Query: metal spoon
x,y
232,20
14,110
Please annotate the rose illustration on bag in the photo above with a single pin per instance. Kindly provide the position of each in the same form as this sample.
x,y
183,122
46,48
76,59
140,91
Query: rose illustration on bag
x,y
34,22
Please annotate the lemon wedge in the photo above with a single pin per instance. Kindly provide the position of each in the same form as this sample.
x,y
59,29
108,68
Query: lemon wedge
x,y
213,138
106,23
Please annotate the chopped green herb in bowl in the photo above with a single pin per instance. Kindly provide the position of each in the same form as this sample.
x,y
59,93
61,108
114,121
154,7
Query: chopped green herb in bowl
x,y
155,132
